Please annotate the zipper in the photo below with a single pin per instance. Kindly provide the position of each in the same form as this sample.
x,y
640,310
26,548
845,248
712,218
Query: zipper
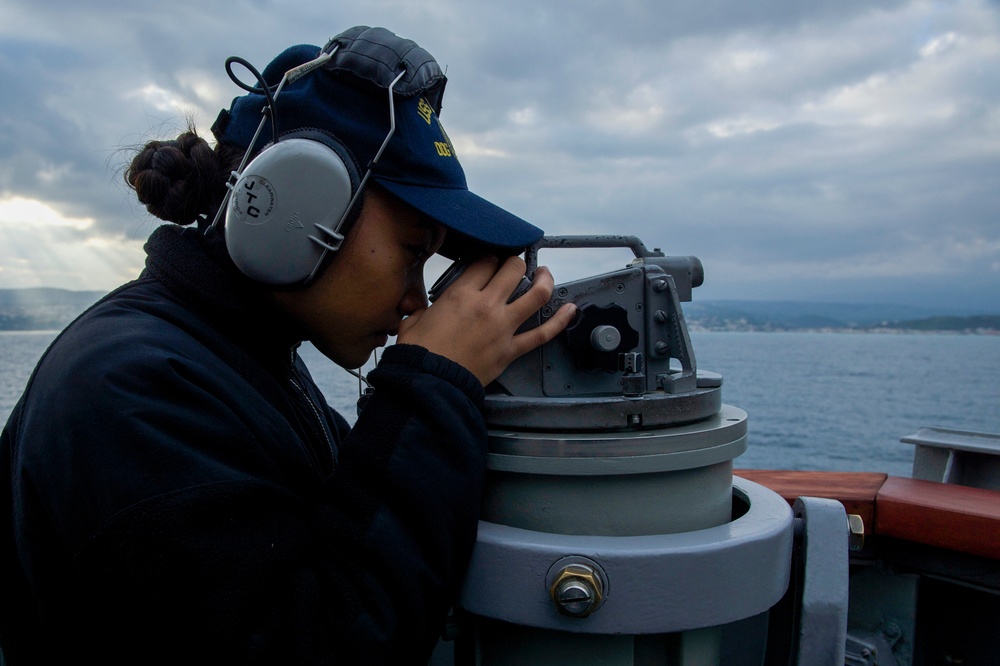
x,y
296,381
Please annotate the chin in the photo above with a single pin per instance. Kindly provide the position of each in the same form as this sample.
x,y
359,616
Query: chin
x,y
345,358
353,363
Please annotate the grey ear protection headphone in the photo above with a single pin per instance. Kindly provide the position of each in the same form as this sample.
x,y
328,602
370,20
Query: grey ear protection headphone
x,y
290,207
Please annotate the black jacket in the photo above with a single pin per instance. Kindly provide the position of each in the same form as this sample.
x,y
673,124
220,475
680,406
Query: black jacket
x,y
174,488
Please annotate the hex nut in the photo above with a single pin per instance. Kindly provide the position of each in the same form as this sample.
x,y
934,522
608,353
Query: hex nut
x,y
577,590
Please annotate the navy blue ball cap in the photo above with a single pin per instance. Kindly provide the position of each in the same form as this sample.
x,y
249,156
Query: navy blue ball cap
x,y
347,98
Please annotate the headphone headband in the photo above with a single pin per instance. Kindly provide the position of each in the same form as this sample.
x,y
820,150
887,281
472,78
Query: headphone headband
x,y
379,57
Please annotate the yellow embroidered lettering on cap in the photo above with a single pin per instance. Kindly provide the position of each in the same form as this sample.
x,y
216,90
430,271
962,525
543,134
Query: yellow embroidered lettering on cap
x,y
425,110
444,148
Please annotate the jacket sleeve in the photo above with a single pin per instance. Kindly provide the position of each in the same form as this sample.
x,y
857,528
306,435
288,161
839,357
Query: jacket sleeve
x,y
244,567
412,473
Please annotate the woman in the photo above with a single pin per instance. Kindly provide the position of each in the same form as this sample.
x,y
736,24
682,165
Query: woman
x,y
178,488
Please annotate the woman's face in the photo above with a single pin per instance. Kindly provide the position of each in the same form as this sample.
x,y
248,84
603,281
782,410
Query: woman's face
x,y
373,282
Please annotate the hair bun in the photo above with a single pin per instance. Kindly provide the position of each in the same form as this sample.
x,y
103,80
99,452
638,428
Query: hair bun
x,y
176,180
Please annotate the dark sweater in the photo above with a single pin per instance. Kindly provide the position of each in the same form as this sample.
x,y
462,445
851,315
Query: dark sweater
x,y
174,488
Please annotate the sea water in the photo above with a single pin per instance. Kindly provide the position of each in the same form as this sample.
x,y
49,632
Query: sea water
x,y
815,401
842,401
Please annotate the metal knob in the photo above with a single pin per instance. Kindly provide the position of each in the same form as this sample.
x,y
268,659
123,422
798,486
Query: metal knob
x,y
605,338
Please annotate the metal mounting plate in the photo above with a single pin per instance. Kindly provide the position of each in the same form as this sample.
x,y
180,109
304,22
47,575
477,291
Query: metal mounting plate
x,y
657,584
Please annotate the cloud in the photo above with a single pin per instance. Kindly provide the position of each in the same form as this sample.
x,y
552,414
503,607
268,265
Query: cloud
x,y
39,246
19,212
783,144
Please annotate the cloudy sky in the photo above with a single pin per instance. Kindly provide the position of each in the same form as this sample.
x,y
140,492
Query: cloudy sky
x,y
840,151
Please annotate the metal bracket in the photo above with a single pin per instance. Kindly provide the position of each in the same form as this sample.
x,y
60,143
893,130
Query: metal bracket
x,y
822,554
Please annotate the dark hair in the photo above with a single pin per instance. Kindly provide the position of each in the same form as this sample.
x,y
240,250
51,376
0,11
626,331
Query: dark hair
x,y
181,179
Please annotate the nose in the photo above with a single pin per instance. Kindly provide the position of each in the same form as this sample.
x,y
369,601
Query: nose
x,y
415,296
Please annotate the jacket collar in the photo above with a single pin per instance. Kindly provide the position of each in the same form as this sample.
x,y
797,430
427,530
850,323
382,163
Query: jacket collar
x,y
196,267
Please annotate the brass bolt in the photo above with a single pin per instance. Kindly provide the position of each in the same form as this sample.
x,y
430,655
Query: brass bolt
x,y
577,590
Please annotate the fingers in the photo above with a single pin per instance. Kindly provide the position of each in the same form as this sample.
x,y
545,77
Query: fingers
x,y
479,273
538,295
538,336
494,277
474,323
503,282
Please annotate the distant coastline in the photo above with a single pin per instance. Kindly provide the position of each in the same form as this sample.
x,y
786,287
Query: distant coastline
x,y
51,309
972,325
807,317
42,308
916,327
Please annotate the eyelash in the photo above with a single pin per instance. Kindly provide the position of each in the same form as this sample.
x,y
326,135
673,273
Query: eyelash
x,y
420,252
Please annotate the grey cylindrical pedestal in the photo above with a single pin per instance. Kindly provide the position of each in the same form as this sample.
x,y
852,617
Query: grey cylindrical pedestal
x,y
642,507
616,483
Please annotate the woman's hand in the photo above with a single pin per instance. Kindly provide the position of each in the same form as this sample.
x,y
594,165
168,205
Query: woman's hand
x,y
472,324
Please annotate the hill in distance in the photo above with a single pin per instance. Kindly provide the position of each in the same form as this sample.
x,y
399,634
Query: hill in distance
x,y
803,316
44,308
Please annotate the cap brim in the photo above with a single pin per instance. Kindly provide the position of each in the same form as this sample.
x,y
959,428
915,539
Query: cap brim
x,y
477,222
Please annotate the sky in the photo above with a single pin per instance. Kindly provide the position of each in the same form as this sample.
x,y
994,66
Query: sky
x,y
839,151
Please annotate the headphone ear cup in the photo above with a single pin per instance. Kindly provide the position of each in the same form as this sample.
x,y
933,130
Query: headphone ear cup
x,y
305,180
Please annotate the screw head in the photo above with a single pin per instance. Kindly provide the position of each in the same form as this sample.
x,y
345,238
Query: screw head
x,y
577,590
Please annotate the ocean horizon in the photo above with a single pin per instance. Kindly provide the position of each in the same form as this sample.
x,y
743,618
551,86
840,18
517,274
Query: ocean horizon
x,y
815,401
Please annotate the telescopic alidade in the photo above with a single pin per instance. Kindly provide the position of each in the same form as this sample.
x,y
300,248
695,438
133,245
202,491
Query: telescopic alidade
x,y
613,530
